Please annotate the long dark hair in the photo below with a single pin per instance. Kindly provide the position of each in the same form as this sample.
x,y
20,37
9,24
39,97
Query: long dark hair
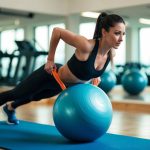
x,y
105,21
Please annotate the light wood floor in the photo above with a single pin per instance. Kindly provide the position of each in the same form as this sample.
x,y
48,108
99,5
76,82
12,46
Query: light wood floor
x,y
131,116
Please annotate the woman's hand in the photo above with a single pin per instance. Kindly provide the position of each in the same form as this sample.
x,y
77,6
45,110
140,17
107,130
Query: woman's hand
x,y
50,66
96,81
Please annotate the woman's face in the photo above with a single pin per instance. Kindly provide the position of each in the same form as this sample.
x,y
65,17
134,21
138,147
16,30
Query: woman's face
x,y
115,35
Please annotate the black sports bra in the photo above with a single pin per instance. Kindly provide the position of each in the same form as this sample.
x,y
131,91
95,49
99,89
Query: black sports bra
x,y
85,70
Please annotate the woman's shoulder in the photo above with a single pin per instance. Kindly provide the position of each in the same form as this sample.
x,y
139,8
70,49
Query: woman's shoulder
x,y
89,45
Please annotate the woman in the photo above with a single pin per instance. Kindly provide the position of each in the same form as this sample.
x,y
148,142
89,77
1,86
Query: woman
x,y
86,65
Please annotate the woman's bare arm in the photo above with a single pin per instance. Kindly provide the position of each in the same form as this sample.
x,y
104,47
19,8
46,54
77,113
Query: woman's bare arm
x,y
77,41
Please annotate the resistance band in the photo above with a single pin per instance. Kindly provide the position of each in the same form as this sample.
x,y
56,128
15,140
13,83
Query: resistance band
x,y
62,85
57,78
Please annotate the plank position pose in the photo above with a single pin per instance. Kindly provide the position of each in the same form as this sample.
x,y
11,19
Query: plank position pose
x,y
87,64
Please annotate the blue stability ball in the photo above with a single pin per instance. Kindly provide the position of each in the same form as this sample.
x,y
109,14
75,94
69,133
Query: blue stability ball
x,y
82,113
108,81
134,81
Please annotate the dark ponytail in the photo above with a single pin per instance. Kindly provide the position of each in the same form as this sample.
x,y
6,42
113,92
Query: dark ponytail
x,y
98,27
106,21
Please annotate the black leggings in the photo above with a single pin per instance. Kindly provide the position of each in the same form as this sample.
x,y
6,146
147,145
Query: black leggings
x,y
35,87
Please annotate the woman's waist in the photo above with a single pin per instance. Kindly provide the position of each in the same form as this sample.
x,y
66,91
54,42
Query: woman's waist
x,y
68,77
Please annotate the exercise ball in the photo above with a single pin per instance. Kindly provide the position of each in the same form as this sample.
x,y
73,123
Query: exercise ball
x,y
134,81
108,81
82,113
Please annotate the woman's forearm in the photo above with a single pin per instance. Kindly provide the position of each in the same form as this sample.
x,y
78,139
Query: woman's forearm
x,y
53,44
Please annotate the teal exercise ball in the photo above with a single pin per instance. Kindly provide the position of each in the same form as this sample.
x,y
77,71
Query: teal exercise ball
x,y
82,113
134,81
108,81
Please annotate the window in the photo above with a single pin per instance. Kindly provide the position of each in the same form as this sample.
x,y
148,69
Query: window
x,y
19,34
87,29
8,45
42,40
9,36
144,46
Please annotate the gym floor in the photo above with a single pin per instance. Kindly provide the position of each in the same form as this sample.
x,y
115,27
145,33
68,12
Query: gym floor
x,y
131,115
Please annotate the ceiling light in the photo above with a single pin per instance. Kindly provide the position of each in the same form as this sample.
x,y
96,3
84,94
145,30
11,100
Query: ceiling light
x,y
144,21
90,14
